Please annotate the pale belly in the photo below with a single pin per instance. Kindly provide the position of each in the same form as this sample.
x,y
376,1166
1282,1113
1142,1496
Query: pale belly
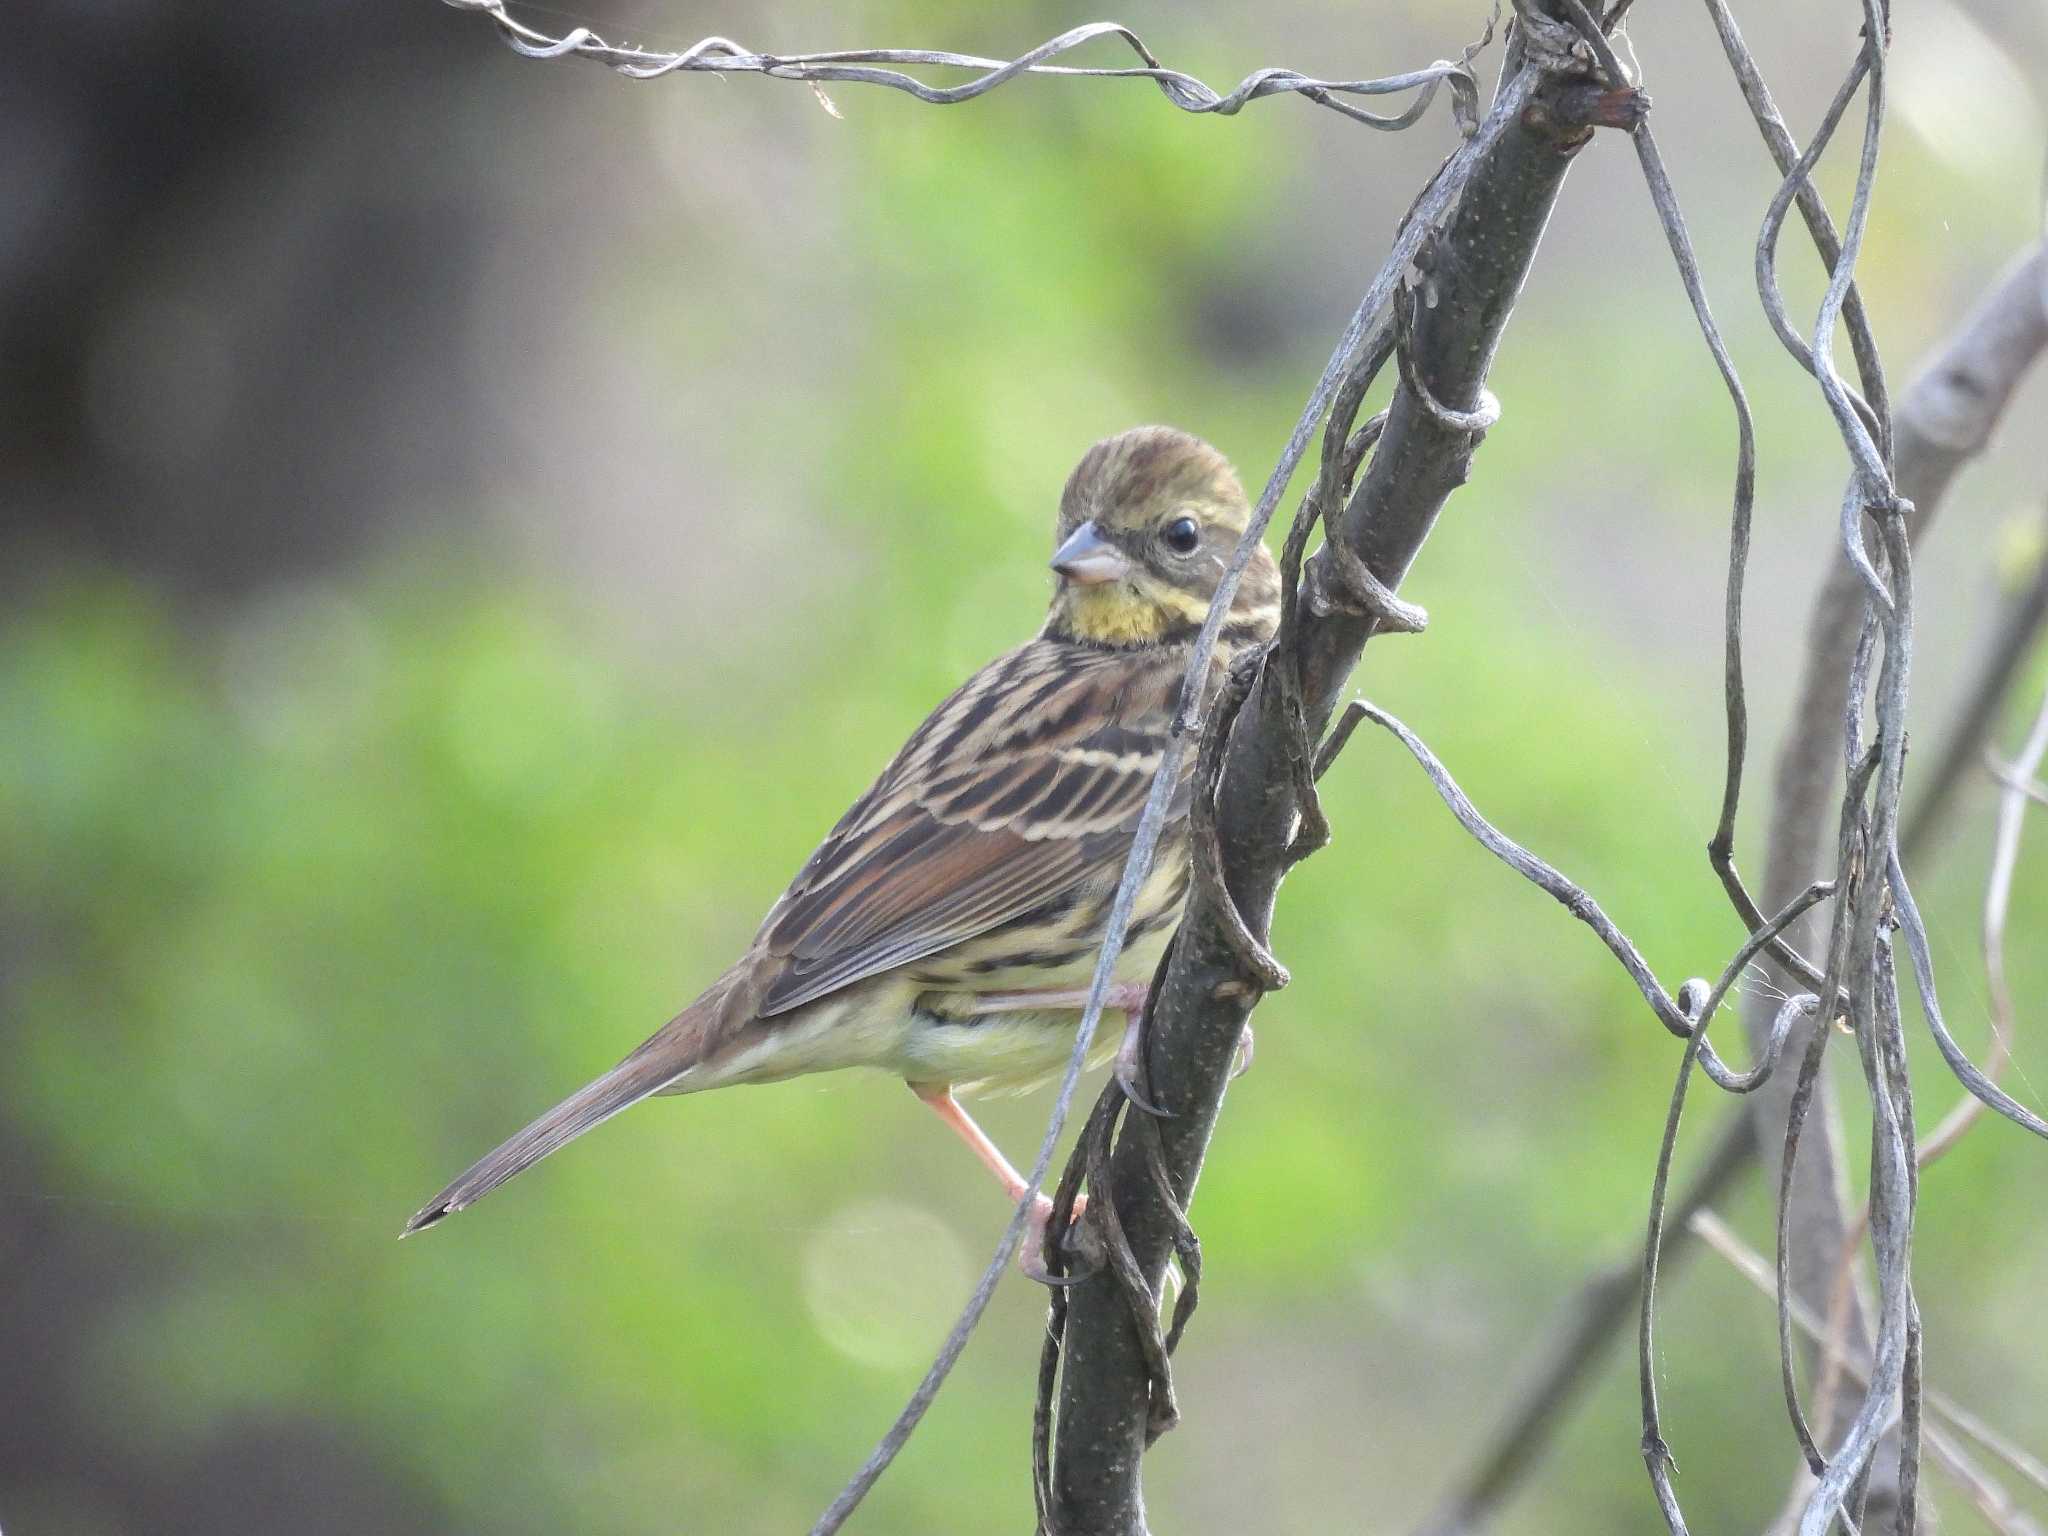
x,y
1004,1053
955,1040
929,1022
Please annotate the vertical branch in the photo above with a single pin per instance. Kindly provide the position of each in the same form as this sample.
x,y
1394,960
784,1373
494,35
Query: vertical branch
x,y
1473,273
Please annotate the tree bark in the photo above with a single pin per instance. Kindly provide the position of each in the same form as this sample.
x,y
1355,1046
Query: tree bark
x,y
1201,1005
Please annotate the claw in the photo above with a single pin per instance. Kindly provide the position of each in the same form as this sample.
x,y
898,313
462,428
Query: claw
x,y
1031,1253
1126,1079
1244,1055
1130,1060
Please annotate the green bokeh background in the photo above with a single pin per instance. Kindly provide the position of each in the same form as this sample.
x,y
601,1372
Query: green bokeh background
x,y
320,879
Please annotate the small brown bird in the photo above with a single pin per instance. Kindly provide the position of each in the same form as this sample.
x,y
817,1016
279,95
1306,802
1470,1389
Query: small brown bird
x,y
947,929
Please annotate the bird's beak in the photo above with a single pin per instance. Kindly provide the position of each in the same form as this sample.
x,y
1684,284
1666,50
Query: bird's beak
x,y
1088,559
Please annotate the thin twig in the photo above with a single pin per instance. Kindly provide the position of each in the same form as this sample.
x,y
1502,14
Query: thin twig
x,y
1693,1010
1798,184
2021,620
1591,1319
1945,416
1574,898
1752,1266
1856,952
2005,854
1802,776
858,66
2026,789
1665,199
1915,929
1826,242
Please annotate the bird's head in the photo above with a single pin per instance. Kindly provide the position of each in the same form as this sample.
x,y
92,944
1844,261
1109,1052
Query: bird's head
x,y
1148,522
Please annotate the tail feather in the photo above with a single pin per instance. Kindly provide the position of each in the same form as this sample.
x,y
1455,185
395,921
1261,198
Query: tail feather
x,y
656,1065
624,1086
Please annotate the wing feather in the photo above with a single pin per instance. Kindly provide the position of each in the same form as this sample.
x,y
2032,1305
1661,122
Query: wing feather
x,y
1021,792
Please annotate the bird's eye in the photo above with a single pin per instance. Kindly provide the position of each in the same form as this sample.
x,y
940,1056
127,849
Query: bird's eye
x,y
1181,535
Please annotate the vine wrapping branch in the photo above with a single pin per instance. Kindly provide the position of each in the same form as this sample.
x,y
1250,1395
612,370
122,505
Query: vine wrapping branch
x,y
862,66
1500,186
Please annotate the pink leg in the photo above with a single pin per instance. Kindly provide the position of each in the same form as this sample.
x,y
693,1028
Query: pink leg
x,y
940,1101
1031,1256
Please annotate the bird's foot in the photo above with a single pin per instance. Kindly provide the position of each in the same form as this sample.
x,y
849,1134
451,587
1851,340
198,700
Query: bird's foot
x,y
1130,1058
1031,1253
1130,1052
1130,1068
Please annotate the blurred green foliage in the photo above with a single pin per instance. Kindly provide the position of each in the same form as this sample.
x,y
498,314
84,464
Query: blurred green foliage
x,y
316,896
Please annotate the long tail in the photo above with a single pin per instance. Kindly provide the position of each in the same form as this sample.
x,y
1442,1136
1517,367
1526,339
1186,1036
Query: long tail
x,y
654,1066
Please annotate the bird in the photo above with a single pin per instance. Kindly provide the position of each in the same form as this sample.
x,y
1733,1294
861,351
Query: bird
x,y
947,928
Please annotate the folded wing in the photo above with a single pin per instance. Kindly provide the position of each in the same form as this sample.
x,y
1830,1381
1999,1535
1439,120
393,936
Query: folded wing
x,y
1021,792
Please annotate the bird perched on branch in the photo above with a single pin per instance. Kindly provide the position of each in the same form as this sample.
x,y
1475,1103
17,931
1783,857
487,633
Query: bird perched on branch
x,y
947,929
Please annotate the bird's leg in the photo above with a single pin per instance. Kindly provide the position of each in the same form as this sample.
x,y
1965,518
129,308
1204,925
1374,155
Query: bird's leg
x,y
939,1099
1128,996
1031,1257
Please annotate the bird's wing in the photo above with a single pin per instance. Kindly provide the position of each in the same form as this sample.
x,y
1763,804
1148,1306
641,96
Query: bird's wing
x,y
1020,794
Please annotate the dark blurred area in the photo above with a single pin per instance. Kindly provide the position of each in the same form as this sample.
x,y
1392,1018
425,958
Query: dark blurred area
x,y
225,341
467,524
216,246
